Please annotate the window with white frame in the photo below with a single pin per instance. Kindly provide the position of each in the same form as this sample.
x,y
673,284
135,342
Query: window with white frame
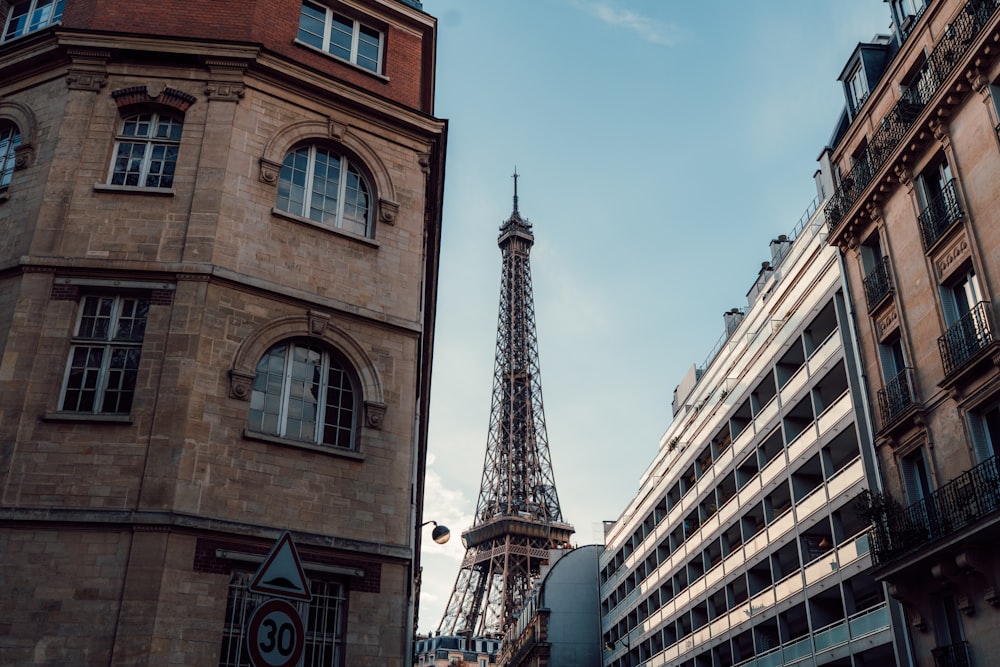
x,y
325,620
319,184
104,355
30,16
146,151
340,36
304,392
10,139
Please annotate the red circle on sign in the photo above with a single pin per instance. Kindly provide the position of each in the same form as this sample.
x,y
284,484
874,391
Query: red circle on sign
x,y
275,636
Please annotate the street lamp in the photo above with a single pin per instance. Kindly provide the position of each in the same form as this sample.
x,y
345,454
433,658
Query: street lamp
x,y
440,534
611,643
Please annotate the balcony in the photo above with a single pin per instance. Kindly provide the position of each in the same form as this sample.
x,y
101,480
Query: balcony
x,y
898,395
972,333
898,531
939,216
954,655
878,284
895,126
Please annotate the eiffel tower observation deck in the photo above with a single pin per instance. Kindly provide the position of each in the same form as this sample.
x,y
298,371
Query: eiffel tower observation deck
x,y
518,519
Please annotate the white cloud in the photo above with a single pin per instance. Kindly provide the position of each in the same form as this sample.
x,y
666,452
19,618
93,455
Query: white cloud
x,y
650,29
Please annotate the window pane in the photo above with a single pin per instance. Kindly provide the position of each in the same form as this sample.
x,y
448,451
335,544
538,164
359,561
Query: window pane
x,y
95,321
311,22
291,182
10,139
341,36
368,48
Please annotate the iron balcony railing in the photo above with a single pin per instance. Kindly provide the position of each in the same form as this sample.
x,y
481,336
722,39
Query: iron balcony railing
x,y
939,215
953,655
898,531
970,334
878,284
897,396
894,127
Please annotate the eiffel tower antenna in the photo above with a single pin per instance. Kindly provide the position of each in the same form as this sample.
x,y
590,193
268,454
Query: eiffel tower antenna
x,y
518,519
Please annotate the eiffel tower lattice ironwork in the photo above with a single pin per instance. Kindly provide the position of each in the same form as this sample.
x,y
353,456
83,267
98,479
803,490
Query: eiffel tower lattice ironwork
x,y
518,519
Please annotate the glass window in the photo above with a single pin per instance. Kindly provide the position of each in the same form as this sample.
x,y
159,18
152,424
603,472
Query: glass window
x,y
858,86
146,151
325,620
32,15
10,139
302,392
104,357
340,36
318,184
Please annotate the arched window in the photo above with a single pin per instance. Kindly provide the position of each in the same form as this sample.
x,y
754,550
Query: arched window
x,y
10,139
304,392
146,151
321,185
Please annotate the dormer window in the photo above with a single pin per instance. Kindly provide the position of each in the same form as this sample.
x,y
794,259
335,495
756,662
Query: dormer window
x,y
857,87
30,16
907,11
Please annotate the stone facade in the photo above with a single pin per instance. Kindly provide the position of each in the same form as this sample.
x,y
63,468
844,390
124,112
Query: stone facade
x,y
914,214
120,530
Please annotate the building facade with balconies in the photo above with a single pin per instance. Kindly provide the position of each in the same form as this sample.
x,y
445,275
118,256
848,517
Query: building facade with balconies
x,y
217,291
743,546
914,212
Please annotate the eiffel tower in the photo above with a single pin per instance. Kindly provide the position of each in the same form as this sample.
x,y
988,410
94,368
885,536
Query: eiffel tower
x,y
518,519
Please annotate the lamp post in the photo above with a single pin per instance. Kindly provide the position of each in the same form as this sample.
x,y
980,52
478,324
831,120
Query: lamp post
x,y
612,643
440,534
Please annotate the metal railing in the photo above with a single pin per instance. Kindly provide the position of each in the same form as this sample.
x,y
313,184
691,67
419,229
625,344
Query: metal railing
x,y
970,334
953,655
878,284
939,215
897,531
894,127
897,396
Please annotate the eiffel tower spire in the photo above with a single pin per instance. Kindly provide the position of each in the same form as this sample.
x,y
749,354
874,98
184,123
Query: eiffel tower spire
x,y
518,519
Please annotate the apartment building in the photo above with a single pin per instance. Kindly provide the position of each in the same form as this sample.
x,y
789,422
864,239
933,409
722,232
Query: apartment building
x,y
742,545
217,294
916,158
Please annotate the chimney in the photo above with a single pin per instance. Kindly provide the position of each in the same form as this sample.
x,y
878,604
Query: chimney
x,y
732,318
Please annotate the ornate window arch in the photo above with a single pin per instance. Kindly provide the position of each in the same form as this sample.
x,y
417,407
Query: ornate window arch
x,y
17,132
326,346
336,139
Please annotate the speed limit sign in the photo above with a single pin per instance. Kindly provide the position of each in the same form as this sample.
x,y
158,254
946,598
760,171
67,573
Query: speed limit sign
x,y
275,636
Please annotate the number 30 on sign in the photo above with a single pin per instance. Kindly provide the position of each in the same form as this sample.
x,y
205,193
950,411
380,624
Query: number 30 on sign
x,y
275,636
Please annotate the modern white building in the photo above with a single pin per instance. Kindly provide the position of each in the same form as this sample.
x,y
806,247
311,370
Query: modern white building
x,y
742,545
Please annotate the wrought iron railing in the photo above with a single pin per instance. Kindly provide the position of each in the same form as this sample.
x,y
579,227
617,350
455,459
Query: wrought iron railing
x,y
970,334
878,284
897,396
897,531
953,655
895,125
939,215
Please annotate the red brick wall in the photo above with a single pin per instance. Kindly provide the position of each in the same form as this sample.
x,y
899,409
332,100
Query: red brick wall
x,y
273,24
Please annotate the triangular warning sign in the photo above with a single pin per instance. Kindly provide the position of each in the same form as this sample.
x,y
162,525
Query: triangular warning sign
x,y
281,573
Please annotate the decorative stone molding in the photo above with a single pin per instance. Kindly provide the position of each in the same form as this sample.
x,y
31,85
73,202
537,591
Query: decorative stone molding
x,y
940,130
424,160
947,572
874,211
387,211
24,155
951,257
318,322
905,597
240,384
156,93
887,323
225,82
979,82
337,130
224,92
89,69
269,171
374,414
979,569
904,175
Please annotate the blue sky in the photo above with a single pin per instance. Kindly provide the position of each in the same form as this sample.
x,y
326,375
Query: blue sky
x,y
661,145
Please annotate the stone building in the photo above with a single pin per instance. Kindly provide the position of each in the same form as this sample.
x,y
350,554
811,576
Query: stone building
x,y
217,294
915,161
